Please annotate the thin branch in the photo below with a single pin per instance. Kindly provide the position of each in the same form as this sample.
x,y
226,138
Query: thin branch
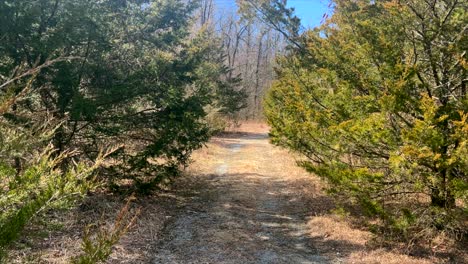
x,y
37,69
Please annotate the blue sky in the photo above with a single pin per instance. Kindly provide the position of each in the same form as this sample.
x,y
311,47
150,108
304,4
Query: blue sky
x,y
309,11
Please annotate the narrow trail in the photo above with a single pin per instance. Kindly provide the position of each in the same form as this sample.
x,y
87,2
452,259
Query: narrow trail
x,y
241,201
246,210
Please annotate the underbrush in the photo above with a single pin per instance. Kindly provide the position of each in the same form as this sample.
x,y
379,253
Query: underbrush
x,y
420,237
87,232
99,239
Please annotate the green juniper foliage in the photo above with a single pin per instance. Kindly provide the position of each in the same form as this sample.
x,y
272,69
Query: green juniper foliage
x,y
376,100
31,180
136,75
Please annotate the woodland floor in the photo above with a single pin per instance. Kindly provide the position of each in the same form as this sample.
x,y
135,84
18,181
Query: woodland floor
x,y
241,201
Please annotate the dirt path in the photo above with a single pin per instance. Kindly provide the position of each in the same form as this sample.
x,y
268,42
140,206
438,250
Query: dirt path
x,y
241,201
247,209
246,201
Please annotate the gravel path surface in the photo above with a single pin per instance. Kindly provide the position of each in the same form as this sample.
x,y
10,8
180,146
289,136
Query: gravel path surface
x,y
246,212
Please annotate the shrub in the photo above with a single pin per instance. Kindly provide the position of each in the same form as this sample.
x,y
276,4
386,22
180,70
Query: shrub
x,y
376,101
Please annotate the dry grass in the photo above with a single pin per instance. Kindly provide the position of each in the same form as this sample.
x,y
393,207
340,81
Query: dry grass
x,y
334,236
57,238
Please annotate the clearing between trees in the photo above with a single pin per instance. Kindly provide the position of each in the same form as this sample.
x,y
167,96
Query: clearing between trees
x,y
246,201
242,200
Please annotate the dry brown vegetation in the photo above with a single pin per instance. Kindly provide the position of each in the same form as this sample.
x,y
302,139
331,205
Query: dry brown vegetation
x,y
335,236
57,238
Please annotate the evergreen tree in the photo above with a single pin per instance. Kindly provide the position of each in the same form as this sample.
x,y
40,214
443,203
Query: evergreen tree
x,y
135,75
376,101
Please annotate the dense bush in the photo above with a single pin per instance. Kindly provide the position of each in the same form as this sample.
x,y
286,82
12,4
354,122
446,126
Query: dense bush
x,y
134,75
31,180
376,100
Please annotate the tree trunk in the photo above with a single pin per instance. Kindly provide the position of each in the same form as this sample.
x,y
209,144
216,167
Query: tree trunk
x,y
442,200
441,195
257,76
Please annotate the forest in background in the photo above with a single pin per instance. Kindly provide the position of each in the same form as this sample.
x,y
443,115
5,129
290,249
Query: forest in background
x,y
116,95
250,45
